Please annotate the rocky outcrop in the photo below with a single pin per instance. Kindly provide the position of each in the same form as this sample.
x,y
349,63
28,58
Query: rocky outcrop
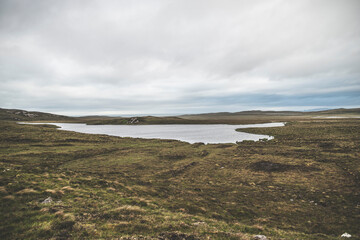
x,y
346,235
26,114
260,237
133,120
47,200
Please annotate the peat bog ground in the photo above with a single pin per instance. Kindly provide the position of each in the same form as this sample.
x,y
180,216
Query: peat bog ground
x,y
304,184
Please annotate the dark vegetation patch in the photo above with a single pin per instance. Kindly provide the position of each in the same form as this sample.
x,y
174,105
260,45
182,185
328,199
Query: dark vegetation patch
x,y
21,139
267,166
64,225
198,144
75,140
172,155
203,153
327,145
224,145
181,169
63,145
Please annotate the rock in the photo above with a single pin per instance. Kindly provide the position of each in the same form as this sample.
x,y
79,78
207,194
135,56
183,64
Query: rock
x,y
30,115
346,235
46,201
260,237
133,120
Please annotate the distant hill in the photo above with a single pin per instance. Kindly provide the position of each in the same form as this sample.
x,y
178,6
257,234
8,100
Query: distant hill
x,y
253,112
340,111
245,117
22,115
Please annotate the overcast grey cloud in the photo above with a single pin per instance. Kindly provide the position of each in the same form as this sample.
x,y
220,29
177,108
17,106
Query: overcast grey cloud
x,y
181,56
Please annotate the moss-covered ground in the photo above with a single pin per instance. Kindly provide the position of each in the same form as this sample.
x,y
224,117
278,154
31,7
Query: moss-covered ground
x,y
304,184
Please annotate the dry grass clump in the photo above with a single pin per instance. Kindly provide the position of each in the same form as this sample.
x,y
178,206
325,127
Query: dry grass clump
x,y
26,191
68,188
9,197
129,209
3,189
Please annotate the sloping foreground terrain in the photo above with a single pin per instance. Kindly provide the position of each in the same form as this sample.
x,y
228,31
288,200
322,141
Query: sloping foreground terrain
x,y
304,184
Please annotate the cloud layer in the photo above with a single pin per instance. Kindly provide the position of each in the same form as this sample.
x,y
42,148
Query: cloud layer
x,y
131,57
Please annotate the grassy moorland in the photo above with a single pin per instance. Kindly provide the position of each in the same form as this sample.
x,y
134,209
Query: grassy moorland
x,y
304,184
22,115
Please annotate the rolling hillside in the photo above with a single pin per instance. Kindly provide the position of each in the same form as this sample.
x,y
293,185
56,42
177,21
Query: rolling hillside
x,y
22,115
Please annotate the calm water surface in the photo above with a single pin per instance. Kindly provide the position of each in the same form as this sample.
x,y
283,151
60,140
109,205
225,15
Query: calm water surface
x,y
206,133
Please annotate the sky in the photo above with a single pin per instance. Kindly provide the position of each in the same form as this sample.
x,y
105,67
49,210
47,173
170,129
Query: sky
x,y
118,57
